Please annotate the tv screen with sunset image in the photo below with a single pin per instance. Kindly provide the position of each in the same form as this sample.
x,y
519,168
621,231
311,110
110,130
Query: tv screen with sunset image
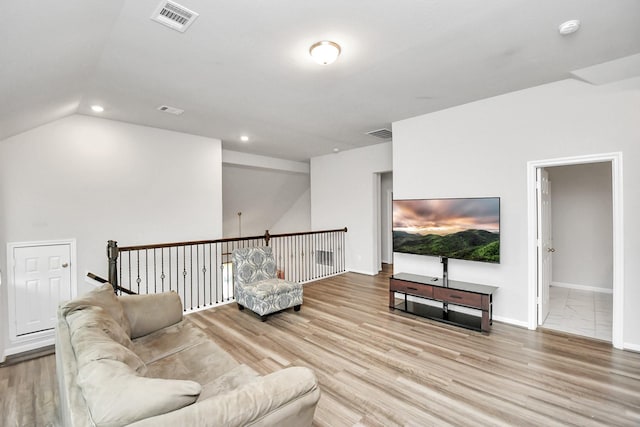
x,y
466,229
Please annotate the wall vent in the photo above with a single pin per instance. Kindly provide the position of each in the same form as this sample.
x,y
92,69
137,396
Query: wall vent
x,y
381,133
324,257
174,16
171,110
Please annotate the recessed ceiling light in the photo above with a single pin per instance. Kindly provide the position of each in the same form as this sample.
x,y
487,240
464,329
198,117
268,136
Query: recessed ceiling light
x,y
97,108
171,110
325,52
335,150
569,27
244,138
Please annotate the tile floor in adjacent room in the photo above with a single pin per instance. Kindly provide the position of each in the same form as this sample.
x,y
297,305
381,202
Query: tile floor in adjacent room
x,y
580,312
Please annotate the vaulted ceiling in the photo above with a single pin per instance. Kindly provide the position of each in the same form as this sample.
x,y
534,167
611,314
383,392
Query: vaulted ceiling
x,y
243,67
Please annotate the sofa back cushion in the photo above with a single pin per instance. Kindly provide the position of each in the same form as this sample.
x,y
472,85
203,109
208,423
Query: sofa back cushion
x,y
117,396
152,312
104,297
96,336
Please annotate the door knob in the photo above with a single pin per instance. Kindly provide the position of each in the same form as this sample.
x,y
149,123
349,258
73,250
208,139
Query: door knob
x,y
65,265
551,249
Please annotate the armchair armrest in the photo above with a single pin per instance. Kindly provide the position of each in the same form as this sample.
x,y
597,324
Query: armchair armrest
x,y
151,312
284,398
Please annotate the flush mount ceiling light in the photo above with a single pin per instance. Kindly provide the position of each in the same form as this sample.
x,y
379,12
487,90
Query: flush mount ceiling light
x,y
324,52
244,138
569,27
97,108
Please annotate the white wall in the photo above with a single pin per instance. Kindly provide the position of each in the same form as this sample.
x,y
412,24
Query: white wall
x,y
482,149
297,218
344,194
581,210
4,330
264,196
271,193
93,180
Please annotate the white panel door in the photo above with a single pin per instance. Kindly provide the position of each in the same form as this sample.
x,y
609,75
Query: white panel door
x,y
545,244
42,279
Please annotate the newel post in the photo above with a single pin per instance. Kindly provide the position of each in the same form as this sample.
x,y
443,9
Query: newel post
x,y
267,236
112,254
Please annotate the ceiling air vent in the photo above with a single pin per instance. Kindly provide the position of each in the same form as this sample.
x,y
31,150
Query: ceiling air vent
x,y
171,110
174,16
381,133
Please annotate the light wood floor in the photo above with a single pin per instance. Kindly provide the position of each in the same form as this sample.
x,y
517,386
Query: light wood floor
x,y
383,368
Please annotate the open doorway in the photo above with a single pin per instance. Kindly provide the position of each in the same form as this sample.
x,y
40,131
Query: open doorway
x,y
384,219
577,260
543,248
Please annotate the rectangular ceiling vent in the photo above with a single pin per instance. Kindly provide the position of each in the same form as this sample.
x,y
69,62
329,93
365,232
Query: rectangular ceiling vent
x,y
174,16
171,110
381,133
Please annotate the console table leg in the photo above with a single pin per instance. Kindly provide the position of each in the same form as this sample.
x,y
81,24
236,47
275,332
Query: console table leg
x,y
485,322
486,313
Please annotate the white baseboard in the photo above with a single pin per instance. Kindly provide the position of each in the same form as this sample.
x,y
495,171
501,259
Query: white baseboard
x,y
631,347
514,322
367,273
33,345
582,287
323,277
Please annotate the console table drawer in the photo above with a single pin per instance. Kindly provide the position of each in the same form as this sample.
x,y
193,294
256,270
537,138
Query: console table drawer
x,y
411,288
458,297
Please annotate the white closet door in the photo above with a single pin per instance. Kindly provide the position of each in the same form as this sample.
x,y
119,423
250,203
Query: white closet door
x,y
42,279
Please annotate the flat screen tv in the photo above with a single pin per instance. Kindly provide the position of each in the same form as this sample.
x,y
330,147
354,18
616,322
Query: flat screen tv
x,y
466,229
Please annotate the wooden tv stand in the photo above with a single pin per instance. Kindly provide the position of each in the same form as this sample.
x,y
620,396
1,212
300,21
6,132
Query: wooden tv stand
x,y
472,295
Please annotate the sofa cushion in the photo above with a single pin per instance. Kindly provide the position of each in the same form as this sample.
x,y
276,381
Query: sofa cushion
x,y
231,380
203,362
97,318
168,341
104,297
151,312
91,339
116,396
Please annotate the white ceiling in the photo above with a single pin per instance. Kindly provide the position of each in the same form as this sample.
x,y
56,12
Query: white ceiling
x,y
243,67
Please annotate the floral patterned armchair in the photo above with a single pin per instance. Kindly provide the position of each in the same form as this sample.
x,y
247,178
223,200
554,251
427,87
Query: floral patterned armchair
x,y
256,285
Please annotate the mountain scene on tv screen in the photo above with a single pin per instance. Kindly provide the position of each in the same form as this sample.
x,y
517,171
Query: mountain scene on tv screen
x,y
473,245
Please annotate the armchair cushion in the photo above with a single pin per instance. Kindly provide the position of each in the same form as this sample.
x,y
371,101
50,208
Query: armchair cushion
x,y
253,265
269,296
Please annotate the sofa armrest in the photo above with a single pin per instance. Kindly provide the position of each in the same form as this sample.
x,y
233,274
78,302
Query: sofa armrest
x,y
151,312
285,398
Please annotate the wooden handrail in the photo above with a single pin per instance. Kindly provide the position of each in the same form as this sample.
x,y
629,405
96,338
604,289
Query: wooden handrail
x,y
97,278
266,236
305,233
286,243
115,288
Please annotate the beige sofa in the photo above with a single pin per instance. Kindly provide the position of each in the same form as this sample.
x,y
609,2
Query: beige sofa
x,y
134,360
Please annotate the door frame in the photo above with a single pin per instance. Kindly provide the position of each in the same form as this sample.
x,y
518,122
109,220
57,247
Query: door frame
x,y
543,285
19,344
618,236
